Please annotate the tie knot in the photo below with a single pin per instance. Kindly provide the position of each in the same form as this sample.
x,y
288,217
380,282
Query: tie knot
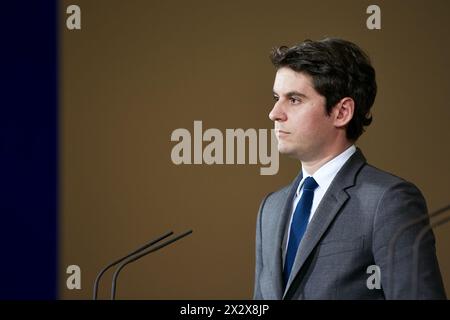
x,y
310,184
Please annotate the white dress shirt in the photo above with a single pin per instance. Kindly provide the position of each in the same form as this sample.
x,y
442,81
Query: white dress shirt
x,y
324,176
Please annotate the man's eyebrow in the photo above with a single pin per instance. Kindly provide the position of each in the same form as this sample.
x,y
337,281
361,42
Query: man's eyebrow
x,y
292,93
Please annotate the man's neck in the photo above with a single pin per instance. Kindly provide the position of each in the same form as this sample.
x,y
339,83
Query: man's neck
x,y
313,165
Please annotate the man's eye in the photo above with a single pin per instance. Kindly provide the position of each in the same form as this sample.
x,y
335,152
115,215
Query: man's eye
x,y
294,100
275,98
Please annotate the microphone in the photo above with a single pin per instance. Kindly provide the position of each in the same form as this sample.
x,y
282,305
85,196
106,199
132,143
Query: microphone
x,y
100,274
138,256
396,236
416,247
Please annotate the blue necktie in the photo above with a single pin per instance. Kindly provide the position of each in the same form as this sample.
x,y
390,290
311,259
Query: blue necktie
x,y
299,224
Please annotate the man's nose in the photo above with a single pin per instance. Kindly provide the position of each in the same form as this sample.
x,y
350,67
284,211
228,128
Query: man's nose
x,y
277,113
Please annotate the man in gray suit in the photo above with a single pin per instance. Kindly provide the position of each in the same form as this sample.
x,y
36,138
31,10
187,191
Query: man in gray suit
x,y
329,234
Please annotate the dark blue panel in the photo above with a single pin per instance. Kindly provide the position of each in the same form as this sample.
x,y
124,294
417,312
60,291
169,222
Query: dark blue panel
x,y
28,150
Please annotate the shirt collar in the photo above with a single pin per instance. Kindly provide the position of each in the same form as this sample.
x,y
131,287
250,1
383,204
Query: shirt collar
x,y
326,173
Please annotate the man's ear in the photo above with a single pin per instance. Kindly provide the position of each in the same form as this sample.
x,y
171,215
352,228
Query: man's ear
x,y
343,112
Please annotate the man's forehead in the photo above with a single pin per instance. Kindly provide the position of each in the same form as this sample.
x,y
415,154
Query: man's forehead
x,y
288,80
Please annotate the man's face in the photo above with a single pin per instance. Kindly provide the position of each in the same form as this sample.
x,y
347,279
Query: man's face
x,y
302,127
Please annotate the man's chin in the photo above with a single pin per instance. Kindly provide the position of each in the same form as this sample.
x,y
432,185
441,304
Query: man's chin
x,y
286,151
289,152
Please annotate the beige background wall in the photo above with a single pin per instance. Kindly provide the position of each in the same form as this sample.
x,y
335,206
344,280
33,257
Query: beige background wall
x,y
137,70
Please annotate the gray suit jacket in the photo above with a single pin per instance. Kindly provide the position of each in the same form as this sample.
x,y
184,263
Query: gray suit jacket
x,y
350,231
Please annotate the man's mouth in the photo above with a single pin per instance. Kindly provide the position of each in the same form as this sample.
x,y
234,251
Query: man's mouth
x,y
281,133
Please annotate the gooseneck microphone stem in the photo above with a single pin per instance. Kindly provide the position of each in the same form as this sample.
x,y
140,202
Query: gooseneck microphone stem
x,y
138,256
100,274
416,252
395,238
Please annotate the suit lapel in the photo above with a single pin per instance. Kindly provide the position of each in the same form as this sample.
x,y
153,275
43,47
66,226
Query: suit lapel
x,y
329,206
283,206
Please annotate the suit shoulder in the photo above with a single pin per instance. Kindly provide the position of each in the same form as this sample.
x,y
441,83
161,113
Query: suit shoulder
x,y
274,198
279,193
382,180
281,190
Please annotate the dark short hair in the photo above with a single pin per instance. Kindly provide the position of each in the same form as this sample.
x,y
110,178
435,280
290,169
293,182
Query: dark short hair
x,y
339,69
